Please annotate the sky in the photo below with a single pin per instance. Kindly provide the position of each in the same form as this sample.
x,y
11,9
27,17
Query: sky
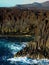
x,y
8,3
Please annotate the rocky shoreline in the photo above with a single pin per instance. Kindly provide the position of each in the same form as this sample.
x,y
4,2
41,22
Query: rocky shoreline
x,y
32,51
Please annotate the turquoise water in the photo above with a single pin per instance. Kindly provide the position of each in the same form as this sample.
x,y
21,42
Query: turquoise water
x,y
8,47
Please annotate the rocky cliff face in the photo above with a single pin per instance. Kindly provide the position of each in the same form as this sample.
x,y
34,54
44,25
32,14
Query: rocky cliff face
x,y
17,21
25,21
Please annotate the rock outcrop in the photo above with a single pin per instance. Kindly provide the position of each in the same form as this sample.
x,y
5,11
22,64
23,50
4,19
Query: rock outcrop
x,y
34,52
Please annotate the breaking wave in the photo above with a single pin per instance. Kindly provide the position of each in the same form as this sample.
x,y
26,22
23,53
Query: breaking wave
x,y
28,61
9,48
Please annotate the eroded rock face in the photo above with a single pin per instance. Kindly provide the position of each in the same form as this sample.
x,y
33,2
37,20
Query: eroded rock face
x,y
22,20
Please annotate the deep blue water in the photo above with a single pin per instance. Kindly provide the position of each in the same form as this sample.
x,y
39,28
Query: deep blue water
x,y
8,47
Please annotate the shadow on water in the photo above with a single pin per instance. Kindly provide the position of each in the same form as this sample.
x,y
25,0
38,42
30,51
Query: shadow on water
x,y
18,39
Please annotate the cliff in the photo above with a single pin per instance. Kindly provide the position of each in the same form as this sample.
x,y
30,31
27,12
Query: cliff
x,y
23,21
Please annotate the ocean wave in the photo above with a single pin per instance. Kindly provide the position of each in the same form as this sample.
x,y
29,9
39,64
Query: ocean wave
x,y
29,61
14,47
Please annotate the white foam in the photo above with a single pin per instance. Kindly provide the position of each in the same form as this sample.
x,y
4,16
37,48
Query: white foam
x,y
17,59
16,47
26,60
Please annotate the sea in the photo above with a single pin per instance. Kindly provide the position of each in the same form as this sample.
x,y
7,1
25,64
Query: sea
x,y
10,46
